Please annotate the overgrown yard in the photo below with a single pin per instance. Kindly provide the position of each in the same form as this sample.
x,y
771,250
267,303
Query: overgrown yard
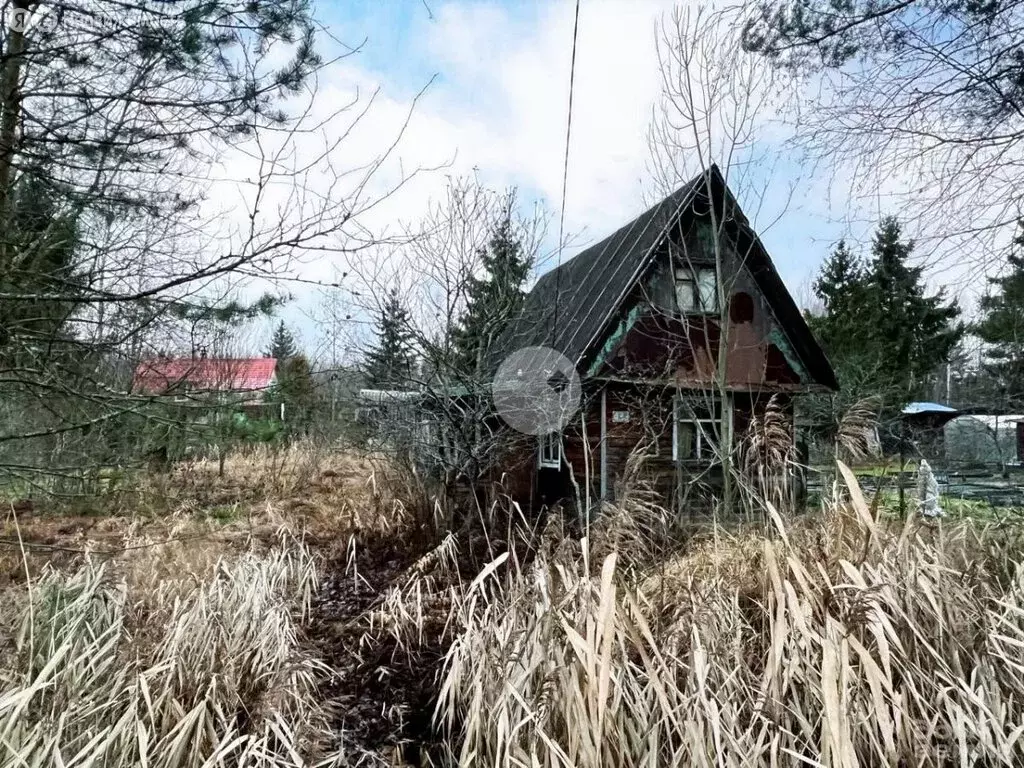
x,y
323,620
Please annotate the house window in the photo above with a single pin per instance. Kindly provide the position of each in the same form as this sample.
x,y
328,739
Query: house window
x,y
696,290
550,454
694,434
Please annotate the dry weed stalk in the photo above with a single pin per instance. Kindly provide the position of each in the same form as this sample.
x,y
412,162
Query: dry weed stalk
x,y
857,430
767,455
212,676
833,641
406,608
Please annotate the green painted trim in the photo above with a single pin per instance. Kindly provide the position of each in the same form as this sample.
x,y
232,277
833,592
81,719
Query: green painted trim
x,y
779,339
624,326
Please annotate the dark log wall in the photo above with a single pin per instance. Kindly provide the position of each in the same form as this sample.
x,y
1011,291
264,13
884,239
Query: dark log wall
x,y
651,340
639,416
635,416
582,447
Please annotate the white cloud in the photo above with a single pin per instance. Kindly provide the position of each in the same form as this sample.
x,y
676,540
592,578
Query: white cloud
x,y
499,107
506,89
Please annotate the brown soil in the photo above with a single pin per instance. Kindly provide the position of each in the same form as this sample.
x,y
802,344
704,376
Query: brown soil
x,y
383,694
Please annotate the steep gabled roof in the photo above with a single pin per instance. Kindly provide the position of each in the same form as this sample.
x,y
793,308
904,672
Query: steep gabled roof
x,y
571,304
204,373
570,308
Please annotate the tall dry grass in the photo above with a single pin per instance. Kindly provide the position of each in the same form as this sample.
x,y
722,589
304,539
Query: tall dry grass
x,y
835,640
204,674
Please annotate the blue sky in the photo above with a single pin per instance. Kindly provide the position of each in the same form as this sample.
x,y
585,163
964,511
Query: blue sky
x,y
497,107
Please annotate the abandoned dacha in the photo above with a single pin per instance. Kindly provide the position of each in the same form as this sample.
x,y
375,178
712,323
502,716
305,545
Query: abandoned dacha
x,y
683,337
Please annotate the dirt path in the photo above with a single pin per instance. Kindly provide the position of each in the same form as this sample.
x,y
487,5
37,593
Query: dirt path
x,y
384,692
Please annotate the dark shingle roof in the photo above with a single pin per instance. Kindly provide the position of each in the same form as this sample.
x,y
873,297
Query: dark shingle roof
x,y
570,307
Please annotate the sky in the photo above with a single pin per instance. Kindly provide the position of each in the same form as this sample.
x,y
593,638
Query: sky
x,y
496,80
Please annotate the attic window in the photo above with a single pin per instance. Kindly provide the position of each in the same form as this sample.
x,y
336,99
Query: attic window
x,y
696,290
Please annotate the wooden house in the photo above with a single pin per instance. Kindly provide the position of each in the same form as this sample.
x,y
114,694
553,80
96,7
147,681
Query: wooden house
x,y
682,333
208,382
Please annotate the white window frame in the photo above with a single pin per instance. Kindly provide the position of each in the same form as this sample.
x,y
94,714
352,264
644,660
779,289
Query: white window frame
x,y
696,290
706,447
546,447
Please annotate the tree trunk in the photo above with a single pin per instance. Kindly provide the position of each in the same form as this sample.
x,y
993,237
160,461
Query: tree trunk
x,y
10,111
725,438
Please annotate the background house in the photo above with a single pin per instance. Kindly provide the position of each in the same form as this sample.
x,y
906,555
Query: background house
x,y
241,383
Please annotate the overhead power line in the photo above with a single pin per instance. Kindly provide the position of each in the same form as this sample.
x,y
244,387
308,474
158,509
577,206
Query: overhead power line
x,y
565,168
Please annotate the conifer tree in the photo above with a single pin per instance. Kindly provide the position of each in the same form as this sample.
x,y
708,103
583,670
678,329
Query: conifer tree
x,y
44,241
295,386
1001,326
493,298
390,362
842,287
913,333
282,344
883,332
296,390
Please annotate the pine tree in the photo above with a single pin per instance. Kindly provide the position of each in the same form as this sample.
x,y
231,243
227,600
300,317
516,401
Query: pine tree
x,y
390,363
493,298
1002,324
282,344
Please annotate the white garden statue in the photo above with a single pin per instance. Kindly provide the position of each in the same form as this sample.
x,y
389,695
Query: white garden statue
x,y
927,491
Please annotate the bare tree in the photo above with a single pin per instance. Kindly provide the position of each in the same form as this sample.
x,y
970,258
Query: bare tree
x,y
180,149
915,105
715,99
456,432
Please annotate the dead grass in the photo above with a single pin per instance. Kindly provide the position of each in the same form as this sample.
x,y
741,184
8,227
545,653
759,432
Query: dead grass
x,y
172,674
303,481
837,639
180,523
829,641
207,544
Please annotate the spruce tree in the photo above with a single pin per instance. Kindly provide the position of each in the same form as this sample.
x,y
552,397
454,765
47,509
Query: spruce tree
x,y
390,363
493,298
295,387
282,344
885,335
913,333
1001,326
842,287
296,390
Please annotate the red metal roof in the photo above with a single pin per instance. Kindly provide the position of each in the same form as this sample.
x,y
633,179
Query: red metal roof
x,y
204,373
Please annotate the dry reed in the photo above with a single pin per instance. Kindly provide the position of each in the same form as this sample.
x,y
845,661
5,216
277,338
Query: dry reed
x,y
829,641
211,676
